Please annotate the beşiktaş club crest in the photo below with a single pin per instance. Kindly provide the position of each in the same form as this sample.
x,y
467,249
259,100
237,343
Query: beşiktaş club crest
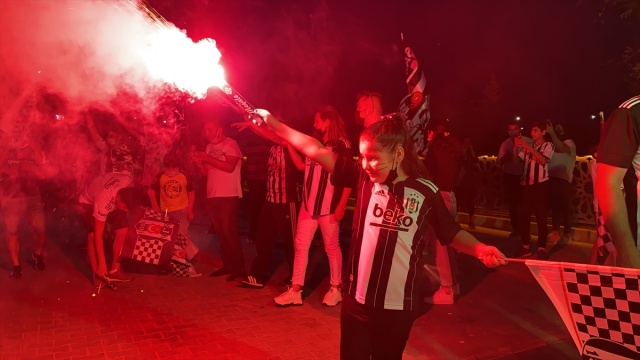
x,y
413,203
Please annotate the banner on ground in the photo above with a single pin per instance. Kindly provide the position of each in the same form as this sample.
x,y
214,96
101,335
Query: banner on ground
x,y
155,239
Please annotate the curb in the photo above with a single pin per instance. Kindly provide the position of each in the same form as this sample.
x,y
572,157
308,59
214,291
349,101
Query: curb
x,y
580,233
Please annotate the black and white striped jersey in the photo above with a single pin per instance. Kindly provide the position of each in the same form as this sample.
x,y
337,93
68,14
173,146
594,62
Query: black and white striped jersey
x,y
385,268
535,172
320,196
282,179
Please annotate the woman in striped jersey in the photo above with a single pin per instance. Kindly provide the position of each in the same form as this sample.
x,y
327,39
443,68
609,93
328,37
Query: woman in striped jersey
x,y
323,205
393,208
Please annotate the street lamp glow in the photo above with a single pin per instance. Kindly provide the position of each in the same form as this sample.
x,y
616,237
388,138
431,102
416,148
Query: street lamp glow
x,y
593,117
517,118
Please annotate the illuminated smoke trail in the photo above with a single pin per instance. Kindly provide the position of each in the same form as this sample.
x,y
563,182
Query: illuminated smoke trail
x,y
87,50
98,54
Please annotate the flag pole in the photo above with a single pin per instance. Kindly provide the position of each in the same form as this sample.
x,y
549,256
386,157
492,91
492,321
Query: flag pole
x,y
515,260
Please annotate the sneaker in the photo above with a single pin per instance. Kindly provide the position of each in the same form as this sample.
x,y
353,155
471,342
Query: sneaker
x,y
252,282
553,237
288,298
332,297
444,296
541,254
118,276
523,252
16,272
38,261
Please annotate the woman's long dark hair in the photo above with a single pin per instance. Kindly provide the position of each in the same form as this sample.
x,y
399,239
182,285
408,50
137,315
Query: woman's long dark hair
x,y
390,132
337,130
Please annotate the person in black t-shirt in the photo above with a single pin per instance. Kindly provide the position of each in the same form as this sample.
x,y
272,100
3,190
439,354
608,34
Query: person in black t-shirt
x,y
279,207
618,150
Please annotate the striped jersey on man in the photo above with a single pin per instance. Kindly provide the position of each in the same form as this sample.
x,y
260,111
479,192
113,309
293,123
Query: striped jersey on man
x,y
385,269
535,172
282,179
320,197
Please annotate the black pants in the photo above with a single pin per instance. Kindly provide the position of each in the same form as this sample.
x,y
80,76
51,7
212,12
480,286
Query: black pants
x,y
561,202
466,196
367,333
223,212
513,194
255,197
274,219
534,198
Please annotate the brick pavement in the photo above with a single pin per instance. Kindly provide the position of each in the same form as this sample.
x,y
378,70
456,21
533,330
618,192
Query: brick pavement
x,y
56,314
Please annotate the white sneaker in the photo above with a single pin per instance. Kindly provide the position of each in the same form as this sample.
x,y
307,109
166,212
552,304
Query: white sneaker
x,y
288,298
553,237
332,297
444,296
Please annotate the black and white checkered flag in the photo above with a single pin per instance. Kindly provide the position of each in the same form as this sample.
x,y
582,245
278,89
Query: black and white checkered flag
x,y
600,305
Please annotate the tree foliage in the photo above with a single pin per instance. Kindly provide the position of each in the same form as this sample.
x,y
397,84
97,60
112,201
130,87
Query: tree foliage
x,y
628,11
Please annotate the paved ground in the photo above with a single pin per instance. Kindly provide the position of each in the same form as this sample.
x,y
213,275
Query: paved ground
x,y
56,314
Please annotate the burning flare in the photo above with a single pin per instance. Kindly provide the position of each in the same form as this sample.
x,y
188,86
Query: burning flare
x,y
173,58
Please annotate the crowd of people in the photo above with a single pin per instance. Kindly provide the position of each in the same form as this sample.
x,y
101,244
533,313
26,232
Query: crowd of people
x,y
404,204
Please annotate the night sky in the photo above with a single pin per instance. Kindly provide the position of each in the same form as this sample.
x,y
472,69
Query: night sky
x,y
554,59
486,61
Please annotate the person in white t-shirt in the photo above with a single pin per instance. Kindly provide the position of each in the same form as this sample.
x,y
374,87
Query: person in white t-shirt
x,y
221,161
99,199
561,190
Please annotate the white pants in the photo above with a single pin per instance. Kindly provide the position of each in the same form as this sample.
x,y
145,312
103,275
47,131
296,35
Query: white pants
x,y
307,226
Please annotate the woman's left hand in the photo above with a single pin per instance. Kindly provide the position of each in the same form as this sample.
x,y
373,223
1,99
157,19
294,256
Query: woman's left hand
x,y
491,257
339,213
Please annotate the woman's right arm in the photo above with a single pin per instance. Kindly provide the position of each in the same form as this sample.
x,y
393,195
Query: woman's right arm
x,y
305,144
95,135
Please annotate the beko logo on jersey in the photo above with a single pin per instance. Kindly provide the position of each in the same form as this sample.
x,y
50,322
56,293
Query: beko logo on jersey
x,y
396,219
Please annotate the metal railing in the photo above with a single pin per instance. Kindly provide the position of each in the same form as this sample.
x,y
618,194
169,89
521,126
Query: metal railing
x,y
491,194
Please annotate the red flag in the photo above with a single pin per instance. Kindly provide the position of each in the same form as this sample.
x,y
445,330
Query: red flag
x,y
416,104
600,306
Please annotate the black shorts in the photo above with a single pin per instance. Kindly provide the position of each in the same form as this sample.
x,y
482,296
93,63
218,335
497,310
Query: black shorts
x,y
117,219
